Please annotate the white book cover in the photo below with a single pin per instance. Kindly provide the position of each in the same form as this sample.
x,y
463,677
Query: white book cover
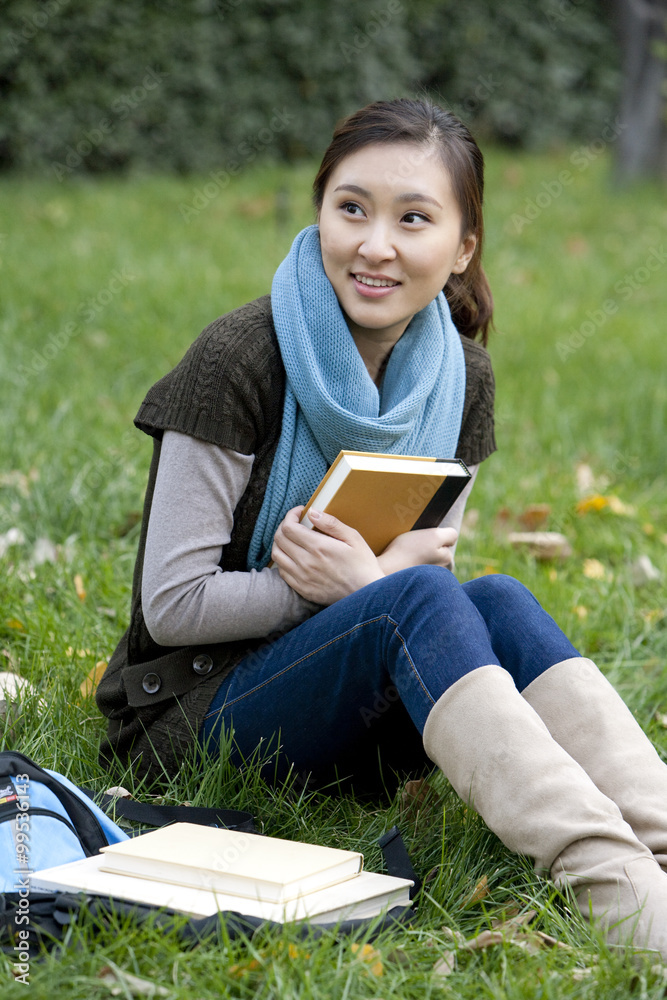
x,y
246,864
365,895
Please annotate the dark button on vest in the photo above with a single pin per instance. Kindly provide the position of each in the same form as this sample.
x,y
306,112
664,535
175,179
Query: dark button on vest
x,y
151,683
202,664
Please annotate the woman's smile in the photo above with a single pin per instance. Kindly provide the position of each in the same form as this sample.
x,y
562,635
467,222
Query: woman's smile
x,y
374,286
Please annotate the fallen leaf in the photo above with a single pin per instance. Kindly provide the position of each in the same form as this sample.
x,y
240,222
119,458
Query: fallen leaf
x,y
371,956
585,478
93,678
78,586
577,246
16,624
456,936
616,506
446,965
643,571
480,891
418,798
431,874
553,575
542,544
12,537
580,974
19,480
516,920
484,940
124,983
594,502
535,516
43,551
580,611
118,792
594,569
552,942
502,522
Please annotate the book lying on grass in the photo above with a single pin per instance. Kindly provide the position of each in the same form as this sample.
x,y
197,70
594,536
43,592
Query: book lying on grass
x,y
381,496
365,895
245,864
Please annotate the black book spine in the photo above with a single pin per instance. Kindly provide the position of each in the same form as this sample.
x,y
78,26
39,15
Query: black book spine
x,y
441,501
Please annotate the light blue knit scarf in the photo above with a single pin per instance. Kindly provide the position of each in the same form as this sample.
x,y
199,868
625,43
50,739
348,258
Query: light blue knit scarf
x,y
331,402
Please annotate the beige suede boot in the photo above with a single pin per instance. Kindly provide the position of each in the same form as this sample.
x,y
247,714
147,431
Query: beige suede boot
x,y
590,720
501,758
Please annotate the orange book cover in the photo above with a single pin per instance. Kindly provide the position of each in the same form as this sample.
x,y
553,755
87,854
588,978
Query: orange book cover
x,y
381,504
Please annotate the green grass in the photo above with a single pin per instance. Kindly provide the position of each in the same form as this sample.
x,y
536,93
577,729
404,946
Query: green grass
x,y
72,470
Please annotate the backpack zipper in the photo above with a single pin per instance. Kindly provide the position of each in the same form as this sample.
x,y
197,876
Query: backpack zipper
x,y
10,812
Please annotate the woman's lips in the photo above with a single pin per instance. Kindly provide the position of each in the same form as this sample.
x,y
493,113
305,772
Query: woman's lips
x,y
374,291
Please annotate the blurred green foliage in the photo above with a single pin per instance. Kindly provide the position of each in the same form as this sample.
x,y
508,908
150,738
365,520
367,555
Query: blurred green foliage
x,y
91,86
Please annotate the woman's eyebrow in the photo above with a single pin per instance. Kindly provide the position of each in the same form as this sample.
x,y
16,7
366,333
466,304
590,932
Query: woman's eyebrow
x,y
408,196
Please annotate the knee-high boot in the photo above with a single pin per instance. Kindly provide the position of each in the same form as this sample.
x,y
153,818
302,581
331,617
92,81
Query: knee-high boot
x,y
590,720
500,757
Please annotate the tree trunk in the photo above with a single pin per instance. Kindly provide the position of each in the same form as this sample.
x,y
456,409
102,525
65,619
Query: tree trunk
x,y
642,146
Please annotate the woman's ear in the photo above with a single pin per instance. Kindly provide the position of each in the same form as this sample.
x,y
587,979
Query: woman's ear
x,y
465,256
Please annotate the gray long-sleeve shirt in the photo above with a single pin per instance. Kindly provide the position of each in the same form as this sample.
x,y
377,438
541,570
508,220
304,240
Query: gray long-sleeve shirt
x,y
187,596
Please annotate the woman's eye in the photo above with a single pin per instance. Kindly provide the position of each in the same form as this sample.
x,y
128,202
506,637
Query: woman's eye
x,y
351,208
411,217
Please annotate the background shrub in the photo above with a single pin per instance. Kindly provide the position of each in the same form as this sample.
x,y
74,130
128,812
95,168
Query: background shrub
x,y
91,86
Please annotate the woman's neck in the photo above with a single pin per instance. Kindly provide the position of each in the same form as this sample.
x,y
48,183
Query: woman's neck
x,y
375,347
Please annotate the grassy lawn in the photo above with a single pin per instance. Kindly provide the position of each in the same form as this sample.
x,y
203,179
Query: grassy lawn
x,y
104,285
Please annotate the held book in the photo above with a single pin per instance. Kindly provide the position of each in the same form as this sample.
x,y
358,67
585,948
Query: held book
x,y
228,861
365,895
381,496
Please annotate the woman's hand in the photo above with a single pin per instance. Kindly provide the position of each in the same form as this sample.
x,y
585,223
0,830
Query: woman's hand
x,y
326,564
418,548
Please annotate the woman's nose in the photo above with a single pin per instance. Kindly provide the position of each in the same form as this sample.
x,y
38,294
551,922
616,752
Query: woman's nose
x,y
378,244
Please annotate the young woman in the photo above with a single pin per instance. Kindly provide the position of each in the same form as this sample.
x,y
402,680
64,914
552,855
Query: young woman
x,y
340,665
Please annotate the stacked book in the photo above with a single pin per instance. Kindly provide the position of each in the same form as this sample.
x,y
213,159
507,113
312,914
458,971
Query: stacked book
x,y
201,870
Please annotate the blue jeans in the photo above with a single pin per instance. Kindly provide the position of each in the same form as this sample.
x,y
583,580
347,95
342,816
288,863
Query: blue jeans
x,y
343,697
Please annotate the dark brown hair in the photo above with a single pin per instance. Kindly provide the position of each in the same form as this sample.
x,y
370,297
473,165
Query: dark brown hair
x,y
422,123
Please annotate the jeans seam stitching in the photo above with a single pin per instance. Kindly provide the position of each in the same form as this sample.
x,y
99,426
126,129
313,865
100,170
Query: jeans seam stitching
x,y
343,635
412,664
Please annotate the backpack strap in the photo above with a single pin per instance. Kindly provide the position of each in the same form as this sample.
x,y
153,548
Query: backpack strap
x,y
152,815
88,829
397,859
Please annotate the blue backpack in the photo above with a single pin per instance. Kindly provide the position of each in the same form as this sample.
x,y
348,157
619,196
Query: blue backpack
x,y
45,820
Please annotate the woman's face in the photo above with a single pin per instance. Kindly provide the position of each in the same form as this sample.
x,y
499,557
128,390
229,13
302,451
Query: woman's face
x,y
390,231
